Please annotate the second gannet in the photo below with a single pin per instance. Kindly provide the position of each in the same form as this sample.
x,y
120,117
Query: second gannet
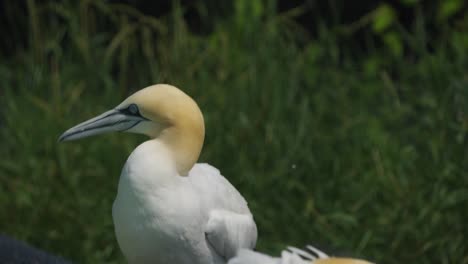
x,y
168,209
292,255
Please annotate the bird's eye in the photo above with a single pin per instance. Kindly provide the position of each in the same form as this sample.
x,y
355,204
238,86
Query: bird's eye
x,y
133,109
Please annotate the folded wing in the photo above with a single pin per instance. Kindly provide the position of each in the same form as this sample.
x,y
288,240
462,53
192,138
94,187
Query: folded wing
x,y
228,232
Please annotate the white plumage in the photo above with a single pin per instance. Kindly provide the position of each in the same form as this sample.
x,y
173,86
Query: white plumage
x,y
292,255
168,209
160,218
251,257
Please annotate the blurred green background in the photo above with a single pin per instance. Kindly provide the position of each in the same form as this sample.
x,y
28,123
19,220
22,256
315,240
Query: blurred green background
x,y
343,123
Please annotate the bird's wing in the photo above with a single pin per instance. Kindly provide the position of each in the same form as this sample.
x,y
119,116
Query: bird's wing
x,y
292,255
316,256
308,253
246,256
230,225
215,191
228,232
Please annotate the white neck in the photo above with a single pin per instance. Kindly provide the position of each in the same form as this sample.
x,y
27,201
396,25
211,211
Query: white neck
x,y
151,165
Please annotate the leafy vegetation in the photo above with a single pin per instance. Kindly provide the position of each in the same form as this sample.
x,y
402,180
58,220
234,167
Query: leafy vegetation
x,y
364,150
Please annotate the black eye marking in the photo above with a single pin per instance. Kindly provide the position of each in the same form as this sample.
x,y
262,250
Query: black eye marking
x,y
131,110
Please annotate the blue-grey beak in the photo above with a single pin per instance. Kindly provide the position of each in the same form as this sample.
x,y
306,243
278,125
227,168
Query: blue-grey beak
x,y
113,120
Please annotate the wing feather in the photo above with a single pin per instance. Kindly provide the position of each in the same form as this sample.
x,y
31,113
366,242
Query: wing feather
x,y
229,232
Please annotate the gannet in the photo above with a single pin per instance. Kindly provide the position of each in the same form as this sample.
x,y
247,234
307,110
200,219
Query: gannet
x,y
168,209
292,255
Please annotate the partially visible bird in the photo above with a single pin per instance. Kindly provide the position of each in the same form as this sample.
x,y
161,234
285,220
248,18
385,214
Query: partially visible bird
x,y
169,209
292,255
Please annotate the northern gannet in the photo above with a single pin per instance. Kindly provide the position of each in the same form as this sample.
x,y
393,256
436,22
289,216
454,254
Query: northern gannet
x,y
292,255
168,209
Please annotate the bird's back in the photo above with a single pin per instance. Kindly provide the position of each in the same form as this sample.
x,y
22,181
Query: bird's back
x,y
215,191
230,225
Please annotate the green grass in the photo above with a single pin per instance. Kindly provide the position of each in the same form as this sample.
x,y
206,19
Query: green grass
x,y
365,153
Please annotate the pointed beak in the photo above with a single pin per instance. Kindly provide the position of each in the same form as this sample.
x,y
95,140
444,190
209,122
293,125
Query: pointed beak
x,y
113,120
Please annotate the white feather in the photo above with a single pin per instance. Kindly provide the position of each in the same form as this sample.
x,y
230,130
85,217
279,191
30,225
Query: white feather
x,y
161,217
245,256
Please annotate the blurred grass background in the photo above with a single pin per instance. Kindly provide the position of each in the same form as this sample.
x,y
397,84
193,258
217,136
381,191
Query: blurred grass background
x,y
350,134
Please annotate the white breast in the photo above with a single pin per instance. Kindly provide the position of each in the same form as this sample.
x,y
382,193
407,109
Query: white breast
x,y
159,217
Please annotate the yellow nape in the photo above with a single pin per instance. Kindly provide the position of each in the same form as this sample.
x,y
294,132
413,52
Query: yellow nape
x,y
177,121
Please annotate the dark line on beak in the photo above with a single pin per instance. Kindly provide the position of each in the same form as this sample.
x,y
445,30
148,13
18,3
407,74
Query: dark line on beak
x,y
111,114
93,128
136,123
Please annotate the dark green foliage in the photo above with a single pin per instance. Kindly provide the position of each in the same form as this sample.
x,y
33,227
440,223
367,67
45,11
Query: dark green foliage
x,y
367,153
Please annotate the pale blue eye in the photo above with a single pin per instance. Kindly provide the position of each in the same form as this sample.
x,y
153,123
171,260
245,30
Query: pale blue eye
x,y
133,109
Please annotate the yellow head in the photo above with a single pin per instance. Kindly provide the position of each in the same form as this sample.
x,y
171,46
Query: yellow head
x,y
160,111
